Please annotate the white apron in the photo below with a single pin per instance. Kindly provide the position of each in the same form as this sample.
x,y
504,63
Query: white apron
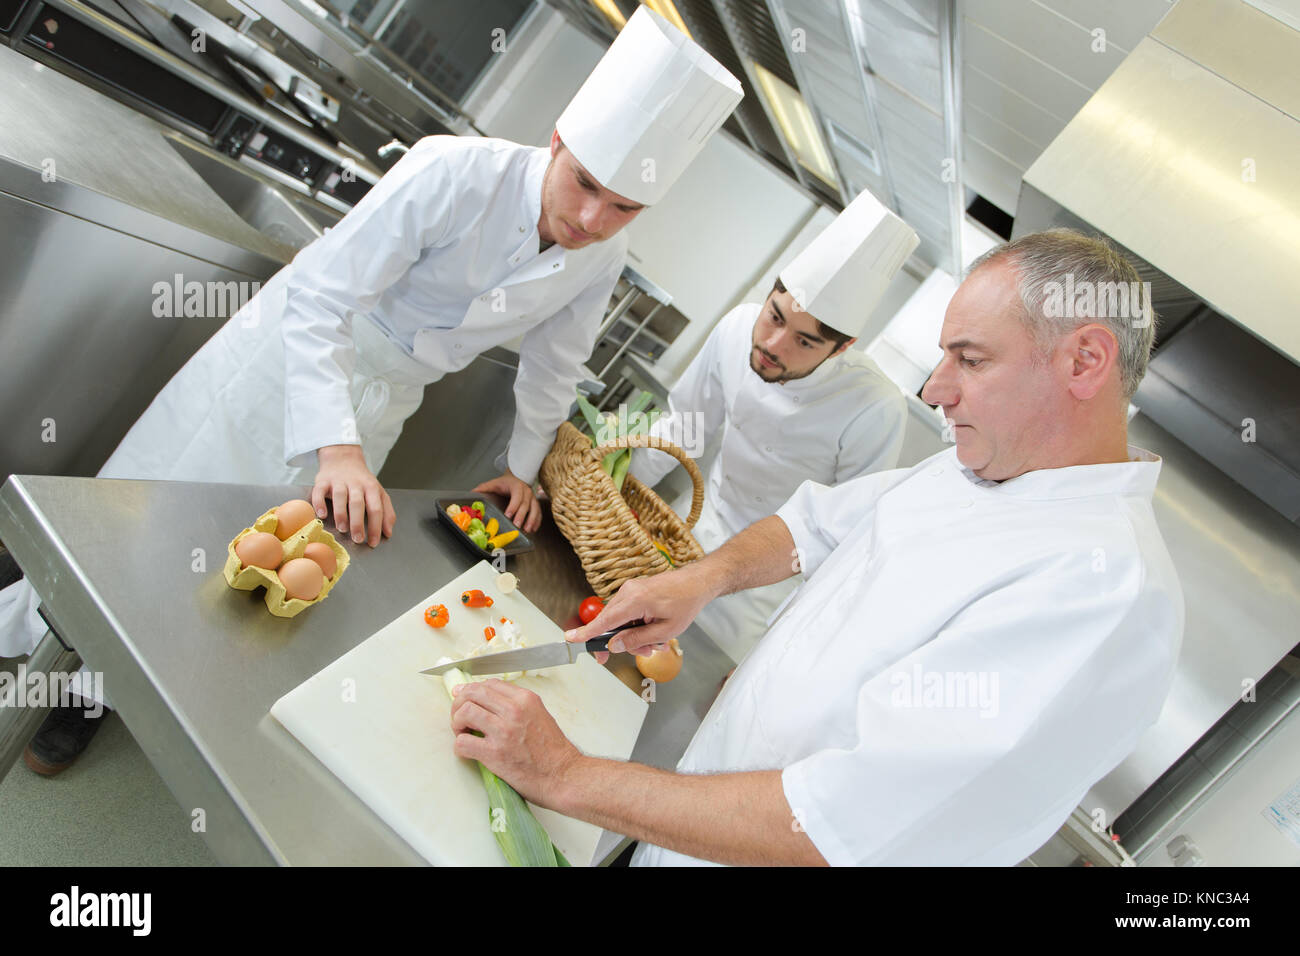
x,y
235,440
238,436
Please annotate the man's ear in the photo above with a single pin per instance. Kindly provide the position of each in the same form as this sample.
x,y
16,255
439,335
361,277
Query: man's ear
x,y
556,142
1094,355
843,348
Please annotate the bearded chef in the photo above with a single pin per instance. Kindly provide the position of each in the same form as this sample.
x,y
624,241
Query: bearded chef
x,y
789,399
978,638
467,243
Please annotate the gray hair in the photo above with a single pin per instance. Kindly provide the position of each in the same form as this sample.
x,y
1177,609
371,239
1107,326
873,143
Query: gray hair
x,y
1068,279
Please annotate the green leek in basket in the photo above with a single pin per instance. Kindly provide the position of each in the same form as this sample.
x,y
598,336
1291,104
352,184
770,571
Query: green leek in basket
x,y
616,463
522,839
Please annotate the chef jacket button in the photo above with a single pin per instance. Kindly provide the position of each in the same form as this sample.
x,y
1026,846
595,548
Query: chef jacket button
x,y
457,345
758,498
521,228
769,449
796,399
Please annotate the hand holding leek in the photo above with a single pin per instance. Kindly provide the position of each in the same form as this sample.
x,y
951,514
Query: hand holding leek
x,y
508,730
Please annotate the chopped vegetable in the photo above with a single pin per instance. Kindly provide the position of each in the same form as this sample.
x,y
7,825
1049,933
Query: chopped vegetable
x,y
507,582
475,598
522,839
490,632
501,540
437,615
590,608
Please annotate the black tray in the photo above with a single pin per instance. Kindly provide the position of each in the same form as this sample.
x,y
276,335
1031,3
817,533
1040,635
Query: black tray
x,y
520,545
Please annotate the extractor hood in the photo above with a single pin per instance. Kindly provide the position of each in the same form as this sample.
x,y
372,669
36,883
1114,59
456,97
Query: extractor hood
x,y
1187,157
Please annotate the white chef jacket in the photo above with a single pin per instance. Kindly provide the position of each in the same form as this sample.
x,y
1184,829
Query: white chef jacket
x,y
442,256
844,420
963,662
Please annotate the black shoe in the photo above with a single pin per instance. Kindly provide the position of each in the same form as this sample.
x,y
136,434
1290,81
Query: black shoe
x,y
61,739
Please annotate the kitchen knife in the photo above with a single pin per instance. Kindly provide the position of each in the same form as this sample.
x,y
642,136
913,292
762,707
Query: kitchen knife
x,y
531,658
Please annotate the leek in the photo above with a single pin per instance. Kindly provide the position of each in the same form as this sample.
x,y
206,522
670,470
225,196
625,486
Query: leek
x,y
620,469
522,839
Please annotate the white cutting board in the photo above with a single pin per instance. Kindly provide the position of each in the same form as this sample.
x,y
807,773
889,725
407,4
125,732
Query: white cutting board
x,y
384,729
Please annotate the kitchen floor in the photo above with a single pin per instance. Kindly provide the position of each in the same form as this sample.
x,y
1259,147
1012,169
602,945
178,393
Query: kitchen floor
x,y
110,808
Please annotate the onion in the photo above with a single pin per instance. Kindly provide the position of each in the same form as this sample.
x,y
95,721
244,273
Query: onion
x,y
662,666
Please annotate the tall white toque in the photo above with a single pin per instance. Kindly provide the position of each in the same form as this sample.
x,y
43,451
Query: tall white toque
x,y
647,109
842,275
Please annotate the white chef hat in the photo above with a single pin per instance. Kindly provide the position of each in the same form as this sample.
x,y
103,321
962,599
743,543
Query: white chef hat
x,y
842,275
647,108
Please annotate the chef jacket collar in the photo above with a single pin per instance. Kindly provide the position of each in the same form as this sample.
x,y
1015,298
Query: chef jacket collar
x,y
1137,476
532,212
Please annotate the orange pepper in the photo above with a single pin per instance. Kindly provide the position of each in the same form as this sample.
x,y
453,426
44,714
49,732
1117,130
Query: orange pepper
x,y
462,520
475,598
489,632
437,615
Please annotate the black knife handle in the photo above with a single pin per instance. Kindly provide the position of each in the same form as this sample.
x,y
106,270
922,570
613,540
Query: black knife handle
x,y
601,643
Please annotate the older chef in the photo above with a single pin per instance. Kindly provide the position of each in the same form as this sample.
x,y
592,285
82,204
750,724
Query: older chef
x,y
778,385
978,638
465,244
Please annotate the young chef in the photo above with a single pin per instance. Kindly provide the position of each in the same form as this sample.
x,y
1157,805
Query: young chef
x,y
791,401
979,638
465,244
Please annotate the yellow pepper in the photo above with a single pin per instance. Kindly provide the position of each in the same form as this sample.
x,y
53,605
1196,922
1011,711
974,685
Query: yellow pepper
x,y
491,527
501,540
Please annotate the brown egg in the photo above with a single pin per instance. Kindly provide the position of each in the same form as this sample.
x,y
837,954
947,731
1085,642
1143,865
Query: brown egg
x,y
662,666
291,516
324,556
260,550
302,578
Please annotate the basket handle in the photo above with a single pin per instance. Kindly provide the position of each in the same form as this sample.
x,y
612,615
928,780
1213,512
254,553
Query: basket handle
x,y
664,445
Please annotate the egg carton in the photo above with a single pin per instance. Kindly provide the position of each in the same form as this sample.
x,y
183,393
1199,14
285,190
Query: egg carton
x,y
277,602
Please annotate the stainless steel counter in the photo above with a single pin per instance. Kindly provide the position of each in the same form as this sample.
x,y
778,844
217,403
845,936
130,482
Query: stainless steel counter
x,y
130,572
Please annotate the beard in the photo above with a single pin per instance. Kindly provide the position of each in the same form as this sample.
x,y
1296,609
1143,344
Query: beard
x,y
779,375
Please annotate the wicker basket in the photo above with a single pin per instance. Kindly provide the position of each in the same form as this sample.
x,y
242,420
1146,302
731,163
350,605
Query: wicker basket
x,y
612,545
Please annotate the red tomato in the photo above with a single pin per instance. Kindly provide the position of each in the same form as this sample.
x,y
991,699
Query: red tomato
x,y
591,607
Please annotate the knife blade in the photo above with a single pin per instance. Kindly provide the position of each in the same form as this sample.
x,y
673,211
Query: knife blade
x,y
531,658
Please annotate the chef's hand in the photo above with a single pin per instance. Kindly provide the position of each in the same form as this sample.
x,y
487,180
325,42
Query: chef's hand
x,y
361,506
667,602
521,742
523,508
